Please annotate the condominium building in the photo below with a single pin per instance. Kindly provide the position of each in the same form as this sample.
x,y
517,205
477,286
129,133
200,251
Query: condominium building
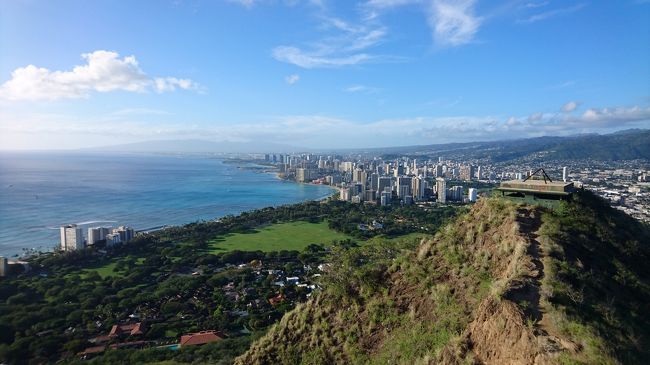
x,y
96,234
71,238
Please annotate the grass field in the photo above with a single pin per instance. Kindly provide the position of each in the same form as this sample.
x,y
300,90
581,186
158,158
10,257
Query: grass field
x,y
283,236
109,269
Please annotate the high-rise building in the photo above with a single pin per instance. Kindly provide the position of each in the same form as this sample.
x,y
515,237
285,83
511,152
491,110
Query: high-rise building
x,y
346,166
438,171
305,174
398,171
345,193
479,173
96,234
4,266
374,181
384,182
113,239
455,193
467,172
564,174
441,190
472,195
386,196
419,184
403,186
71,238
407,200
126,233
356,175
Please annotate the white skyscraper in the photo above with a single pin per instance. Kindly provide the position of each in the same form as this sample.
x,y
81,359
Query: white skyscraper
x,y
564,174
71,238
441,189
472,194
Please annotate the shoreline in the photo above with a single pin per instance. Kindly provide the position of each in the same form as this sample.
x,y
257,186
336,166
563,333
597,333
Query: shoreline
x,y
334,189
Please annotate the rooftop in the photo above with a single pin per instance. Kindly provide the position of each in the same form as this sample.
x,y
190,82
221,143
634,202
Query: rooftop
x,y
201,338
537,187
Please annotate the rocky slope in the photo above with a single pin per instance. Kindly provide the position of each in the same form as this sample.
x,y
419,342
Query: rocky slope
x,y
503,284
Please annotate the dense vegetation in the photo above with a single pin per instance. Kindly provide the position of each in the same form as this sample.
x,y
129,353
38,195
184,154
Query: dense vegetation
x,y
171,282
598,279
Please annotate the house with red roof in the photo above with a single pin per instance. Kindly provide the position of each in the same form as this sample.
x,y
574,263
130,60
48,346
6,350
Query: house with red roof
x,y
201,338
130,329
276,299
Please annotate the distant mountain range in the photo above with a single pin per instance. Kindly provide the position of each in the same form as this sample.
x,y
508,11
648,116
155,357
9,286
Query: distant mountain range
x,y
623,145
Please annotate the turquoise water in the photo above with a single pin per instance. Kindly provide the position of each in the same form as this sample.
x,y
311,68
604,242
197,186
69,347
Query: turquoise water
x,y
40,191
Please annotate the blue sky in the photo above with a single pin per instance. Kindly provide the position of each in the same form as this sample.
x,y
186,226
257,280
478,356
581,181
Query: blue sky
x,y
319,73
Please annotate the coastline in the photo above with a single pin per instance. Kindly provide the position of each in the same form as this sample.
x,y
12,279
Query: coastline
x,y
334,189
214,197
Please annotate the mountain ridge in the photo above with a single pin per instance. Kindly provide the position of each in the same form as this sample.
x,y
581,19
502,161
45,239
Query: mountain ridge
x,y
505,283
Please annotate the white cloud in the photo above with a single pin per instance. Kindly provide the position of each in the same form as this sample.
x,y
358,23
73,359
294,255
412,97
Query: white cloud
x,y
570,106
163,84
104,71
453,21
382,4
562,85
361,89
303,59
533,5
292,79
245,3
551,14
343,43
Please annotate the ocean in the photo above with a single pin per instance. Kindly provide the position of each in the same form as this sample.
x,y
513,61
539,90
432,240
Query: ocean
x,y
41,191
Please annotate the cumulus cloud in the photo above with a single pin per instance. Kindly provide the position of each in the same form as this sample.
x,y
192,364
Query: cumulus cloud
x,y
569,107
453,21
292,79
104,71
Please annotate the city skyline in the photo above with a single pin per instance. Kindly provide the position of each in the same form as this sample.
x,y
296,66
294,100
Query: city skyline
x,y
319,73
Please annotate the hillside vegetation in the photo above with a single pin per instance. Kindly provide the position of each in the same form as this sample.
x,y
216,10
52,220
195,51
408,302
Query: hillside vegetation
x,y
503,284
